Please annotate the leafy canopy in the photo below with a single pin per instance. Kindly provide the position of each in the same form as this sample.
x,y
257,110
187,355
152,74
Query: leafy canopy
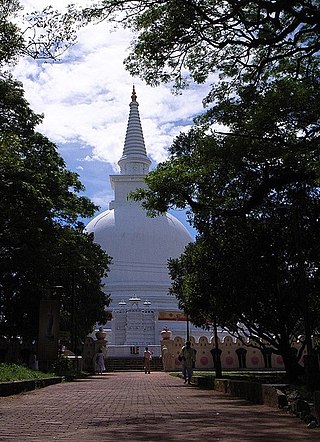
x,y
40,230
177,38
252,190
45,34
252,187
41,241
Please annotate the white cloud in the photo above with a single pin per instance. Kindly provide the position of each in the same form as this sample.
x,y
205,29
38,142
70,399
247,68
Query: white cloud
x,y
85,96
85,100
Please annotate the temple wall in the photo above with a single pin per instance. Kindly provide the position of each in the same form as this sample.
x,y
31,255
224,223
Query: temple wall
x,y
234,354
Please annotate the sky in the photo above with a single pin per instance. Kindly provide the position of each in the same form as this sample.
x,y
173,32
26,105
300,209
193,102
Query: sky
x,y
85,98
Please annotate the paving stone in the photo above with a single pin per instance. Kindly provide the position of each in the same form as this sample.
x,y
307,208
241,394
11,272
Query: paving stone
x,y
129,406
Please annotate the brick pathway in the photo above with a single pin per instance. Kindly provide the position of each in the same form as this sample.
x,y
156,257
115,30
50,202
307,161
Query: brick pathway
x,y
130,406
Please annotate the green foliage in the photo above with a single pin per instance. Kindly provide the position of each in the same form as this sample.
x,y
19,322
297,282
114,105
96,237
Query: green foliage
x,y
13,372
270,141
252,190
45,34
253,195
63,367
80,266
11,39
177,39
40,232
39,198
248,271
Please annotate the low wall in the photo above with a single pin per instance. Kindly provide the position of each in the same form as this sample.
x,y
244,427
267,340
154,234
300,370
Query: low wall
x,y
16,387
248,390
234,354
255,392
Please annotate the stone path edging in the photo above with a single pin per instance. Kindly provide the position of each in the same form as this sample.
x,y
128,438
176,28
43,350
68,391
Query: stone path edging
x,y
17,387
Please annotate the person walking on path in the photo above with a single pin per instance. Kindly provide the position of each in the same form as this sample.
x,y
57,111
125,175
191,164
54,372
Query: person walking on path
x,y
188,359
147,356
100,362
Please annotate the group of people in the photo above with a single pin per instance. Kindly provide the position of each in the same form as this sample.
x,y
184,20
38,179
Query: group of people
x,y
187,357
100,363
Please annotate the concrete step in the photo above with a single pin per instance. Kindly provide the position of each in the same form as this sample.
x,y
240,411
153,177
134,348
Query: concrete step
x,y
132,364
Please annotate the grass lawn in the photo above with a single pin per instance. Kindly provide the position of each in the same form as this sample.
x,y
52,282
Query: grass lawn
x,y
13,372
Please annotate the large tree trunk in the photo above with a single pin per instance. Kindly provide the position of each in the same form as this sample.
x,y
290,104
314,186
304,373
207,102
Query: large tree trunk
x,y
294,371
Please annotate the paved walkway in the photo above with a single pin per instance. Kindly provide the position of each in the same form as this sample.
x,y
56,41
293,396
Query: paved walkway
x,y
136,407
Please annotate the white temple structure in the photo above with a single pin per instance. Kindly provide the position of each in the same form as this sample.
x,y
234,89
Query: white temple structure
x,y
140,247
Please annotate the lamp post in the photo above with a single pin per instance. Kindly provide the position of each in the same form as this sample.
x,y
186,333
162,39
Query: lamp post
x,y
73,314
217,350
69,277
146,304
188,329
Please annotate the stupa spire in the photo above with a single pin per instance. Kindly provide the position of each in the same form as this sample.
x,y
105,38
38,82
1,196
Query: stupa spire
x,y
134,160
134,95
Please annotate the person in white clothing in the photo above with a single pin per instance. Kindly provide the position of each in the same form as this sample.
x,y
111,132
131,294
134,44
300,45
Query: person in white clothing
x,y
147,357
100,362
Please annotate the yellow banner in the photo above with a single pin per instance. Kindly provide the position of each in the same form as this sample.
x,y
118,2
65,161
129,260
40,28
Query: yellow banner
x,y
165,315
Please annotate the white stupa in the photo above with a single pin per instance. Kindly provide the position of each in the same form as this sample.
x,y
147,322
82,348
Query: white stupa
x,y
140,247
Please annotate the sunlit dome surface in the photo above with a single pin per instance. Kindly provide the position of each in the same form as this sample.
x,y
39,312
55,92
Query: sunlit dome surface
x,y
140,246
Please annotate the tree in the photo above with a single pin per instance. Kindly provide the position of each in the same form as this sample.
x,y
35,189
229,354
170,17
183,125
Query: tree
x,y
262,169
40,231
245,274
10,37
198,37
264,59
201,37
45,34
270,140
40,205
79,268
253,194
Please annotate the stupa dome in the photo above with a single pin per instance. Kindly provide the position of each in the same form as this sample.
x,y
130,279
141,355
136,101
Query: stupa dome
x,y
140,247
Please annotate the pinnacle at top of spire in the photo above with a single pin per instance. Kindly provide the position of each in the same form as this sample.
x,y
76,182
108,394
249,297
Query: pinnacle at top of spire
x,y
134,160
134,95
